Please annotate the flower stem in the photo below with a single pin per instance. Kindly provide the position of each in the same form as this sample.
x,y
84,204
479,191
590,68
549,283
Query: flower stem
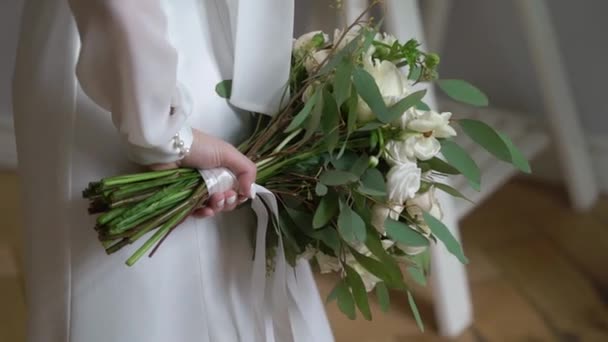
x,y
160,233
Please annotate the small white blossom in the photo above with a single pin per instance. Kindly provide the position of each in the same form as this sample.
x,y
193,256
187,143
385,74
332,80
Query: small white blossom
x,y
403,181
425,127
433,123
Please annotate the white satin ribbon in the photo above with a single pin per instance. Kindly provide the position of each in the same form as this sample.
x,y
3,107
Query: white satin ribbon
x,y
277,304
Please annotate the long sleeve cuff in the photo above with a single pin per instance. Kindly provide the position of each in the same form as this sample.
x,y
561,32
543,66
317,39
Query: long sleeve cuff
x,y
175,148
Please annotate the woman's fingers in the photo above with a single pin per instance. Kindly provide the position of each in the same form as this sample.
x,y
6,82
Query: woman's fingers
x,y
242,167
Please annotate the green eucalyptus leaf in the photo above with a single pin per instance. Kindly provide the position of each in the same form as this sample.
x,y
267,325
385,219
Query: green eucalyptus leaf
x,y
333,295
392,277
415,73
450,190
327,210
329,236
345,162
342,81
415,311
383,296
460,159
303,220
417,275
423,106
350,225
517,158
441,166
314,119
463,91
372,183
443,233
346,302
224,89
369,92
352,104
303,114
337,177
401,232
370,126
397,110
486,137
358,290
360,165
330,121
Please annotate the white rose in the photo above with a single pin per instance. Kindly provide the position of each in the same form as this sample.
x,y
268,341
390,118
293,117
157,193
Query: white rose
x,y
391,82
327,263
381,212
305,42
313,62
433,123
403,181
397,152
418,146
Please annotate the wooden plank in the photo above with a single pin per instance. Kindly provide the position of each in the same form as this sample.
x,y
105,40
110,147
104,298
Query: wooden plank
x,y
12,311
561,294
503,314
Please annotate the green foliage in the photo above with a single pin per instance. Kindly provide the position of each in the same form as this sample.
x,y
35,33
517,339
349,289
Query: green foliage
x,y
443,233
358,290
401,232
463,91
350,225
415,311
299,119
461,161
383,296
450,190
372,183
337,177
224,89
342,82
327,210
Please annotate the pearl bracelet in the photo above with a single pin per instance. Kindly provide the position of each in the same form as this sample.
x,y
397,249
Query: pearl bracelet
x,y
179,145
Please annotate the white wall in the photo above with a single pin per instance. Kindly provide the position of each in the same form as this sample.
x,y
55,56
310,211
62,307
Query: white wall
x,y
10,14
485,45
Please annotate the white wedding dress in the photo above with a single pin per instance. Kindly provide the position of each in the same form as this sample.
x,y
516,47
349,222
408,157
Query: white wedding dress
x,y
138,58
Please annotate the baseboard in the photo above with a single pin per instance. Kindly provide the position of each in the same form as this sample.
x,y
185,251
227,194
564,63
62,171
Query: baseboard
x,y
546,166
8,149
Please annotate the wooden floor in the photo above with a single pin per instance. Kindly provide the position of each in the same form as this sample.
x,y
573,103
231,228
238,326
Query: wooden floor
x,y
538,272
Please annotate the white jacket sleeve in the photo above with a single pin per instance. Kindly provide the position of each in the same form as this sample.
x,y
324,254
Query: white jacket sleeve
x,y
128,66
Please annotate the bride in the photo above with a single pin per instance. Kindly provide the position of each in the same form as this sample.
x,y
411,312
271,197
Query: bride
x,y
103,87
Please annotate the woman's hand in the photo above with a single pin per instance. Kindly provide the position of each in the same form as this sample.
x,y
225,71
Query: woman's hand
x,y
208,152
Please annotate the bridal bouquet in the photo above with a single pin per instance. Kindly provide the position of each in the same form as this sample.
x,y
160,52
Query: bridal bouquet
x,y
354,160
